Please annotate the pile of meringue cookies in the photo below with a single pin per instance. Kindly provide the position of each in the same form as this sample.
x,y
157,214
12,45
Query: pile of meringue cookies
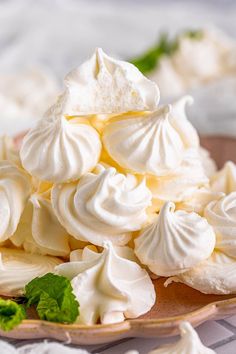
x,y
109,189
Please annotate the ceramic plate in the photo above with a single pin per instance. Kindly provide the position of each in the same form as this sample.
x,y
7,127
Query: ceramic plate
x,y
174,304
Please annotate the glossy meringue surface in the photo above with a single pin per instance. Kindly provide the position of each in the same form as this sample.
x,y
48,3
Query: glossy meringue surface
x,y
109,286
15,188
147,144
216,275
106,85
18,267
225,179
221,214
60,150
175,242
189,343
104,205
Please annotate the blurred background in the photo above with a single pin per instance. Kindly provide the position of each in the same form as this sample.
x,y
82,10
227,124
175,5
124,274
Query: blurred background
x,y
187,47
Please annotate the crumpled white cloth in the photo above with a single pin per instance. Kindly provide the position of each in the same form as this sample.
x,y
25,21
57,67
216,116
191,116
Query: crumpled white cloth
x,y
40,348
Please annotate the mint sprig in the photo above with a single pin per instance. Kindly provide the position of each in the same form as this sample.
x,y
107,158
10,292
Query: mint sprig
x,y
11,314
53,297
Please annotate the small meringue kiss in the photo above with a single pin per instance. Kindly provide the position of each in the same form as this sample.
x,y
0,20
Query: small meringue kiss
x,y
109,286
17,268
146,144
104,205
216,275
39,230
221,214
15,188
175,242
60,150
189,343
225,179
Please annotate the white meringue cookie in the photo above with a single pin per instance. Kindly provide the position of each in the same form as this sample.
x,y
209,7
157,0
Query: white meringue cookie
x,y
60,150
18,267
181,123
106,85
146,144
104,205
221,214
109,286
175,242
182,182
199,200
189,343
14,190
39,230
208,163
216,275
225,179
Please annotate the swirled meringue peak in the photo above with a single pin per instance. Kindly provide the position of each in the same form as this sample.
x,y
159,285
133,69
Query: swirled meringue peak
x,y
109,286
179,185
104,205
181,123
175,242
145,144
103,85
225,179
221,215
215,275
39,230
18,267
60,150
14,190
189,343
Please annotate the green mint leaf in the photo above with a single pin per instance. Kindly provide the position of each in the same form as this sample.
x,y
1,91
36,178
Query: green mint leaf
x,y
194,34
150,59
53,297
11,314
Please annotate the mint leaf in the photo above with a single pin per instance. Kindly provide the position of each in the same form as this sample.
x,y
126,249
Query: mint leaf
x,y
11,314
54,299
150,59
194,34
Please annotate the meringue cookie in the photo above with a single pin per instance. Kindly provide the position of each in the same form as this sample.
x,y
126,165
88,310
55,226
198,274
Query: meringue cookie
x,y
225,179
14,190
216,275
60,150
182,182
199,200
39,230
109,286
104,205
221,215
208,163
146,144
103,85
189,343
175,242
181,123
207,53
18,267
